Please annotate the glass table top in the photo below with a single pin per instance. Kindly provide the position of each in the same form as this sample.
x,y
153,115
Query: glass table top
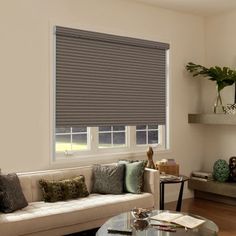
x,y
126,221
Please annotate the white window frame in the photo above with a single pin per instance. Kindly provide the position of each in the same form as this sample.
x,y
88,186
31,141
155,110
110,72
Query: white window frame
x,y
94,154
93,144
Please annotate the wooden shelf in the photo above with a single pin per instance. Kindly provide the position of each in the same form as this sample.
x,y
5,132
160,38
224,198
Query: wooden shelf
x,y
214,191
212,119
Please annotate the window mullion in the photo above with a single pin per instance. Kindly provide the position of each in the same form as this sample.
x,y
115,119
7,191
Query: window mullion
x,y
112,136
131,137
71,139
146,134
93,139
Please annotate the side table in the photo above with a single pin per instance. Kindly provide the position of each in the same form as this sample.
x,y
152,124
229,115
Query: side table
x,y
182,179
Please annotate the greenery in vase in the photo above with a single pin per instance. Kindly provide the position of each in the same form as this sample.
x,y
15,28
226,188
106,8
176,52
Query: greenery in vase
x,y
222,76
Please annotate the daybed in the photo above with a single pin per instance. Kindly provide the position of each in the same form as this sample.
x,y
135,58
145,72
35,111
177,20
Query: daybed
x,y
65,217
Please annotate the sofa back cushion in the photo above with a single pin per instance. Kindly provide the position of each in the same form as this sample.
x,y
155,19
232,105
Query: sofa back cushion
x,y
30,180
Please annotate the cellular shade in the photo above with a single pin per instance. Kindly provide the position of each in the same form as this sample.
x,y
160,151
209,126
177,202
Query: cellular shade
x,y
104,79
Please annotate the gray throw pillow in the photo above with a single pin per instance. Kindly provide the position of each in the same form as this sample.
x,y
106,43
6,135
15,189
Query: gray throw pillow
x,y
134,175
108,179
12,197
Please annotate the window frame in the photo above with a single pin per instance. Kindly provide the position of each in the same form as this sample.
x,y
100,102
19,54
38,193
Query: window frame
x,y
94,154
94,150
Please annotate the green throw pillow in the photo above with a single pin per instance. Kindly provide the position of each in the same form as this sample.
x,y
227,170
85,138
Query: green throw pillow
x,y
134,175
62,190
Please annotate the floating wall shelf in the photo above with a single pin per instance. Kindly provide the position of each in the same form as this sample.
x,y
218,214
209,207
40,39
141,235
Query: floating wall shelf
x,y
212,119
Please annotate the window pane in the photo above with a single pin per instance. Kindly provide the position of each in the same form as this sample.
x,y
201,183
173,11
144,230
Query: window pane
x,y
63,143
152,137
119,128
79,142
104,140
104,128
80,129
138,127
153,127
119,138
141,137
62,130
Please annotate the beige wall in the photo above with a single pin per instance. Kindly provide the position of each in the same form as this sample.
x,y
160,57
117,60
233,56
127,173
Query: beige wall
x,y
25,46
220,50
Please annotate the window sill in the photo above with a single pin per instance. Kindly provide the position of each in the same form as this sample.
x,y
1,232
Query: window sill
x,y
103,158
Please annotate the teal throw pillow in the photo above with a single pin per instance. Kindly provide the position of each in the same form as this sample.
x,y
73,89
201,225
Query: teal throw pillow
x,y
134,176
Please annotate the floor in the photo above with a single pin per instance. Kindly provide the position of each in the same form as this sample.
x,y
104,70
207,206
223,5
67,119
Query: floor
x,y
223,215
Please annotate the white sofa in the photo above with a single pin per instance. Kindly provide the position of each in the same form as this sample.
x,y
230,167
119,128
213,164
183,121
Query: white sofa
x,y
65,217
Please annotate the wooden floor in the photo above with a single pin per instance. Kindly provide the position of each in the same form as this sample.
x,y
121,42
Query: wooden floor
x,y
223,215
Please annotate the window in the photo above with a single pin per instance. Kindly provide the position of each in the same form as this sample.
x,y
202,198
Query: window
x,y
146,134
99,87
69,140
74,142
112,136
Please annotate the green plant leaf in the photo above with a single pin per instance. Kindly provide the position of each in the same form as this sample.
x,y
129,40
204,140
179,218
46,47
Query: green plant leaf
x,y
222,76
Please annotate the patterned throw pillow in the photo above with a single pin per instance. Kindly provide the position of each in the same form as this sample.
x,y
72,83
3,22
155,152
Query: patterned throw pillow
x,y
12,197
134,175
62,190
108,179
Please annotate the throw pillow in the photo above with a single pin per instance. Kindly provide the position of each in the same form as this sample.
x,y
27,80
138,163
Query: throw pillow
x,y
108,179
51,190
12,197
74,188
134,176
62,190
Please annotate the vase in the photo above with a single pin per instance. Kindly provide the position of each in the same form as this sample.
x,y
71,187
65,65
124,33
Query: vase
x,y
218,106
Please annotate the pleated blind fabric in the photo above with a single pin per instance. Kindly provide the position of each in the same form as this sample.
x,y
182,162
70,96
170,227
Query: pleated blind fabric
x,y
104,79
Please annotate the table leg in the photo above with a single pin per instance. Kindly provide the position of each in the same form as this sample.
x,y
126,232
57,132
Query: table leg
x,y
162,195
179,203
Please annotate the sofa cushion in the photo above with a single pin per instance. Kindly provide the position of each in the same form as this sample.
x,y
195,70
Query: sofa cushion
x,y
63,189
134,176
11,195
108,179
40,216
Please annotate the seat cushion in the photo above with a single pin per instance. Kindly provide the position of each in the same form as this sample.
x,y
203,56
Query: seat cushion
x,y
40,216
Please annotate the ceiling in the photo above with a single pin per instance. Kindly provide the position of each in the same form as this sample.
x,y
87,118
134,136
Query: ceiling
x,y
199,7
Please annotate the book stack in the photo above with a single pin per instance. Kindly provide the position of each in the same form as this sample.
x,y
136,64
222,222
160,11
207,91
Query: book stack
x,y
202,176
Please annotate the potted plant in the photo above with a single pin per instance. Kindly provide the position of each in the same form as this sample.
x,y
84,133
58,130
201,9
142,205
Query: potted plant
x,y
222,76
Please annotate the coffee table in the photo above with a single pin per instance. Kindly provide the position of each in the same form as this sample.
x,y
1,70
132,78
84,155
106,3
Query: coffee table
x,y
126,221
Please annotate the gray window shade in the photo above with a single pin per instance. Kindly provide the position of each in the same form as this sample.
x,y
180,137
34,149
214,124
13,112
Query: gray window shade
x,y
104,79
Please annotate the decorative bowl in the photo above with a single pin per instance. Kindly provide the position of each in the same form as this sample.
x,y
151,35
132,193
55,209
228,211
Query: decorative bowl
x,y
140,213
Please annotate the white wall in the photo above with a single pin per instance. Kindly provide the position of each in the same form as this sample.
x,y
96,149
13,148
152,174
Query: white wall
x,y
25,46
220,50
